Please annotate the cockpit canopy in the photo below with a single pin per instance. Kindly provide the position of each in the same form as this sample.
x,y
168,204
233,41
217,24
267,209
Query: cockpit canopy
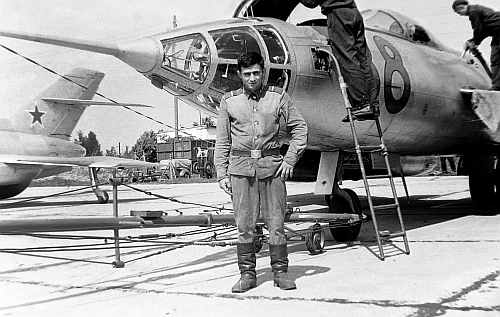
x,y
380,20
399,25
188,55
202,66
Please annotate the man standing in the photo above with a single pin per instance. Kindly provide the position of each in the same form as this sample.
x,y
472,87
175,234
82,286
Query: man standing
x,y
252,124
346,32
485,22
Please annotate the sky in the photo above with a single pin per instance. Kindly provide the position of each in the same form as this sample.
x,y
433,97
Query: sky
x,y
117,21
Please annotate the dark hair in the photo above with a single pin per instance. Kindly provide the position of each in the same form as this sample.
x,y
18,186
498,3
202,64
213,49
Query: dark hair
x,y
458,2
251,58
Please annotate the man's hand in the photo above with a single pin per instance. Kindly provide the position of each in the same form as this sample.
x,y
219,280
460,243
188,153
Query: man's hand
x,y
470,44
285,170
225,185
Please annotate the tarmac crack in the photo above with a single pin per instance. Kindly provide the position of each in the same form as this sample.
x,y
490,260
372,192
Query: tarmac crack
x,y
453,241
428,309
439,309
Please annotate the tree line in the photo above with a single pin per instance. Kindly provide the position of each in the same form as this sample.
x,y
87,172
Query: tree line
x,y
144,148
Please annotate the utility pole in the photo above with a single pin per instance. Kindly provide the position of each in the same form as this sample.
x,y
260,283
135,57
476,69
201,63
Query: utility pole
x,y
176,116
176,100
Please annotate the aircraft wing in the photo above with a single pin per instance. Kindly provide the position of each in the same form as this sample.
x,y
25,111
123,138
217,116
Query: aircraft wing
x,y
89,161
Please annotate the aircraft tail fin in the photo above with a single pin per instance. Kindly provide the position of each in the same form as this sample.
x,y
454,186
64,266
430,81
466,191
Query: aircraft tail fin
x,y
45,116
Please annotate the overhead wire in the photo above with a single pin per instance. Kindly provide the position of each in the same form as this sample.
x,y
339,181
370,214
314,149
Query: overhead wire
x,y
95,92
176,200
188,243
93,247
56,257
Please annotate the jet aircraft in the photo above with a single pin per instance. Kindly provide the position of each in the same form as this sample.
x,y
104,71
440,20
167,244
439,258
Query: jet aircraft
x,y
423,111
36,139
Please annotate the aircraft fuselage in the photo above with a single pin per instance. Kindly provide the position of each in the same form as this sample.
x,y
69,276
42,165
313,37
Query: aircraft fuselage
x,y
419,84
19,144
423,111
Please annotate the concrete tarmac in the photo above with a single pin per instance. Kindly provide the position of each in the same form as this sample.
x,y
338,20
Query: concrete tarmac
x,y
453,268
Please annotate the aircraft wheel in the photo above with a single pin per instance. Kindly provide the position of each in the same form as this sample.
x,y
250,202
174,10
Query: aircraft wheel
x,y
315,239
348,233
258,239
103,198
482,179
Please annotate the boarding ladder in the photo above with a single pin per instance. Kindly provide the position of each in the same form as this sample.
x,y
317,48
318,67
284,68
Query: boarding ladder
x,y
385,234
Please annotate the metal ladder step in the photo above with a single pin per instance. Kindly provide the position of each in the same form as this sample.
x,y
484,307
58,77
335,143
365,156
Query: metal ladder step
x,y
388,235
378,176
386,207
370,148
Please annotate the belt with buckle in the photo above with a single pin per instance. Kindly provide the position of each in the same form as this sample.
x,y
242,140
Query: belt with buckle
x,y
256,153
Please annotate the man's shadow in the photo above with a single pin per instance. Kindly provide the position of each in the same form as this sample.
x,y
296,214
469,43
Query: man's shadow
x,y
295,272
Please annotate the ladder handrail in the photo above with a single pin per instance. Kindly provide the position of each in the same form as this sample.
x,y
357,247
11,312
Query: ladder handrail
x,y
379,235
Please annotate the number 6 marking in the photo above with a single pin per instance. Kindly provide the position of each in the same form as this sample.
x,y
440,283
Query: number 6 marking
x,y
393,64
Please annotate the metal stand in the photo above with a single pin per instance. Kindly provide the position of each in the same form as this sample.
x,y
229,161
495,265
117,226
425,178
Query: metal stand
x,y
118,263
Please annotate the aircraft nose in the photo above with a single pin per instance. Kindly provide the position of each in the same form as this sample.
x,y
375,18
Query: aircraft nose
x,y
184,65
143,55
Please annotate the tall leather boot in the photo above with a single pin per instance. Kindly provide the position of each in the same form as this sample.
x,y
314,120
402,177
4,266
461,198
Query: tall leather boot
x,y
246,264
279,265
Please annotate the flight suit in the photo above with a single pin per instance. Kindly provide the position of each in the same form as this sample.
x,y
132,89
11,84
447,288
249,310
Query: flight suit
x,y
486,22
260,121
346,34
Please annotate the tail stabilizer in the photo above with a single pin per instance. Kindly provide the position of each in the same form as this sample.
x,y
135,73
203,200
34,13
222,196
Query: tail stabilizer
x,y
87,103
43,116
